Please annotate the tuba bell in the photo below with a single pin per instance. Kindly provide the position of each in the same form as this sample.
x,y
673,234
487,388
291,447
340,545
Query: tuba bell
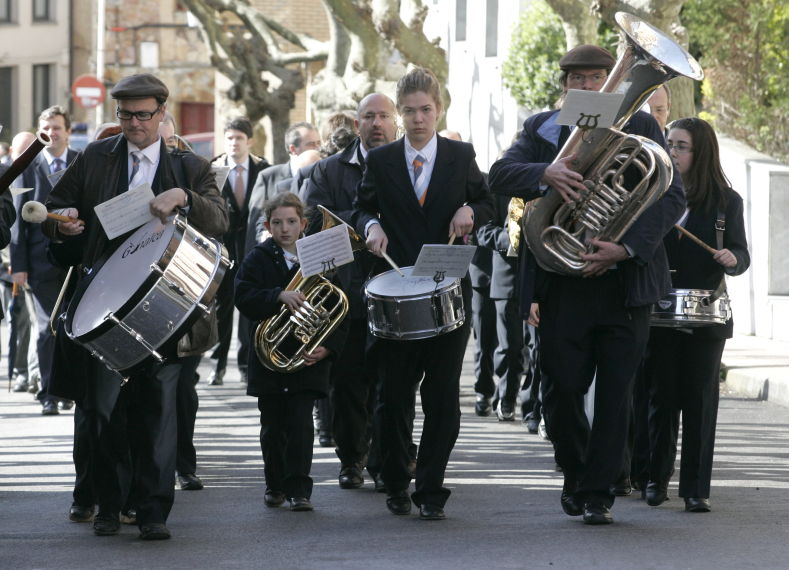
x,y
623,174
282,340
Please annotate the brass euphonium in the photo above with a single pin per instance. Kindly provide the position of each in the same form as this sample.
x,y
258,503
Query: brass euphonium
x,y
623,174
282,340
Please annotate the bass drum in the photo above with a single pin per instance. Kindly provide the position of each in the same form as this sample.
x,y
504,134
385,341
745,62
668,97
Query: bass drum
x,y
688,308
411,308
146,294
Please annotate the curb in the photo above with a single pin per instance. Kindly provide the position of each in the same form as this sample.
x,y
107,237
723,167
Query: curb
x,y
759,384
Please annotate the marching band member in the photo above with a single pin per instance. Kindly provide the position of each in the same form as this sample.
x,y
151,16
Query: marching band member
x,y
182,180
597,323
683,365
419,190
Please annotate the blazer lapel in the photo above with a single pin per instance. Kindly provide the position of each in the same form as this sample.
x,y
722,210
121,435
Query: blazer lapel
x,y
402,180
442,171
43,186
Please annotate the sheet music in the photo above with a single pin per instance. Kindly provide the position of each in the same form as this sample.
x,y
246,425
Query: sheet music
x,y
324,251
125,212
451,260
589,109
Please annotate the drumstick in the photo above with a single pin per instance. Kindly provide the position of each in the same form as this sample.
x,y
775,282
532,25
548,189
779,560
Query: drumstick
x,y
696,240
451,238
392,263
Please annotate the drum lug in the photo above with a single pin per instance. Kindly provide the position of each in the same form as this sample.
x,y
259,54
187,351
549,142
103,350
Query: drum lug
x,y
135,335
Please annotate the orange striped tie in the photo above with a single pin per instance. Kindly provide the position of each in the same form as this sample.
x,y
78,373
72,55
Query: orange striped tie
x,y
419,161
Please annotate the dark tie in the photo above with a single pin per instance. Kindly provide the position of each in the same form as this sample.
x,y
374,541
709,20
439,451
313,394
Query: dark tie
x,y
57,165
239,188
135,165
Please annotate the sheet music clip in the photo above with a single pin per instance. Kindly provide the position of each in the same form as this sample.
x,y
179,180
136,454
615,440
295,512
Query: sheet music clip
x,y
439,276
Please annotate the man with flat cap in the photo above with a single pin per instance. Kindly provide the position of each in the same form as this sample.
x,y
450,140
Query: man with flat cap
x,y
181,181
597,324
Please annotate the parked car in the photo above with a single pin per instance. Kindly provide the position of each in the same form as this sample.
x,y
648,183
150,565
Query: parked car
x,y
201,143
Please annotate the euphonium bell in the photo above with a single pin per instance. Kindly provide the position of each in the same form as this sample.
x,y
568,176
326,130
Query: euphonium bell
x,y
282,340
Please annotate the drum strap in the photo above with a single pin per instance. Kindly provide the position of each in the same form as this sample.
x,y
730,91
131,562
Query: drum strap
x,y
720,230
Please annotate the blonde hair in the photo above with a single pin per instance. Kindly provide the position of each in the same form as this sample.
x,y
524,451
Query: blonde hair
x,y
419,79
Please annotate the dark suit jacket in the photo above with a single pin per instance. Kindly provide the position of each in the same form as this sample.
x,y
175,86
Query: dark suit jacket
x,y
386,193
7,213
237,217
28,242
519,172
265,188
493,239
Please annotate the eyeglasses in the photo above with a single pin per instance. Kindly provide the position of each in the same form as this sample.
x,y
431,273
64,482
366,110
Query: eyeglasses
x,y
680,148
581,78
124,115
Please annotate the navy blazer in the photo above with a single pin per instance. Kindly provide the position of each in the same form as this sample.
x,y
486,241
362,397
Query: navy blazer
x,y
519,172
386,193
28,242
7,213
494,239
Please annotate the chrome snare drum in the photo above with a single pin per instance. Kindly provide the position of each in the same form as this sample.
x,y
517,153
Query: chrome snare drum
x,y
146,294
411,308
686,308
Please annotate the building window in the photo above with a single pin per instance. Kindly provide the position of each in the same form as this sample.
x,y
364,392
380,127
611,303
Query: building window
x,y
6,110
6,16
42,89
42,11
492,28
460,20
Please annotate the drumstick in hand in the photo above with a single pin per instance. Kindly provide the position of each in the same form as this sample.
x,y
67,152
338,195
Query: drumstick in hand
x,y
36,213
451,238
392,263
696,240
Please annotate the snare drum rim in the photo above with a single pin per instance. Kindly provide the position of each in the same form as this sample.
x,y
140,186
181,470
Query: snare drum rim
x,y
142,290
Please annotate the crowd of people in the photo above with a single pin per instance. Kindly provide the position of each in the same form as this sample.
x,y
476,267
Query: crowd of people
x,y
540,337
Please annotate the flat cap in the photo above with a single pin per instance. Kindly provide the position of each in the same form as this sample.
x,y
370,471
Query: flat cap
x,y
140,86
588,57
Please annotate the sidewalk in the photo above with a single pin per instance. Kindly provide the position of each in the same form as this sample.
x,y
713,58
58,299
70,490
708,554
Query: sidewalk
x,y
757,368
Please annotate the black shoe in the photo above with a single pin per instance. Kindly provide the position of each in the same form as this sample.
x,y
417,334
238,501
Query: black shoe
x,y
531,424
300,504
380,486
597,514
325,439
50,408
657,493
571,505
399,503
129,516
106,524
154,531
431,513
78,513
190,482
65,405
351,477
505,412
216,378
622,488
697,505
482,407
274,498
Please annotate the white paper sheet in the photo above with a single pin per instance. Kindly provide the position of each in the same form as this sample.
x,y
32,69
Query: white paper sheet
x,y
324,251
125,212
445,260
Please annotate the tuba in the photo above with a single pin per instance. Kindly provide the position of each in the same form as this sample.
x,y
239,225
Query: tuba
x,y
282,340
623,174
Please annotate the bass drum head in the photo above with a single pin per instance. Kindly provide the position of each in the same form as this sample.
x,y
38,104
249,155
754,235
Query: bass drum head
x,y
392,284
120,278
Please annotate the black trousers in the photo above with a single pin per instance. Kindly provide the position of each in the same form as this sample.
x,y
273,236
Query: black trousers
x,y
186,405
531,402
286,442
141,416
224,317
437,362
586,329
352,384
683,372
483,321
44,298
84,493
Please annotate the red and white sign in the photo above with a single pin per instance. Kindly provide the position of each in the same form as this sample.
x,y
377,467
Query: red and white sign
x,y
88,91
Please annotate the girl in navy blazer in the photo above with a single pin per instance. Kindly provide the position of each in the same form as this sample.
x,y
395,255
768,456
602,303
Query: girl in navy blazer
x,y
683,365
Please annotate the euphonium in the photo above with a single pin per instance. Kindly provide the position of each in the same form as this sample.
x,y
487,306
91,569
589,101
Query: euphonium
x,y
282,340
623,174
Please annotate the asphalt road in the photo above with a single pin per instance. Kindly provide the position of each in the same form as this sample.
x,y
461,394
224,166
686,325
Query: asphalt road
x,y
504,511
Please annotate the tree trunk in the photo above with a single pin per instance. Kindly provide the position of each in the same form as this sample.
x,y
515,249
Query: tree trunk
x,y
578,21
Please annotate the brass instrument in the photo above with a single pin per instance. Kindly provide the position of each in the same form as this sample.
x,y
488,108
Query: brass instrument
x,y
282,340
24,159
609,160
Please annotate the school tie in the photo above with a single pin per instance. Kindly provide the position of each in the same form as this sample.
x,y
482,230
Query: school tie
x,y
57,165
419,179
135,165
239,188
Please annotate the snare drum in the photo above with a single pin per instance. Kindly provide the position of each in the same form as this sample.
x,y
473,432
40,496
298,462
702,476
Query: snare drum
x,y
411,308
684,308
146,294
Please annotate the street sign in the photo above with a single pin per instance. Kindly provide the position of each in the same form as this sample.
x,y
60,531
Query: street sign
x,y
88,91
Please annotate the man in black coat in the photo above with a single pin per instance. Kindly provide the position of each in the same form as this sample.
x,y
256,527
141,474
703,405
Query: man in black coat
x,y
179,180
237,191
332,184
598,324
30,263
